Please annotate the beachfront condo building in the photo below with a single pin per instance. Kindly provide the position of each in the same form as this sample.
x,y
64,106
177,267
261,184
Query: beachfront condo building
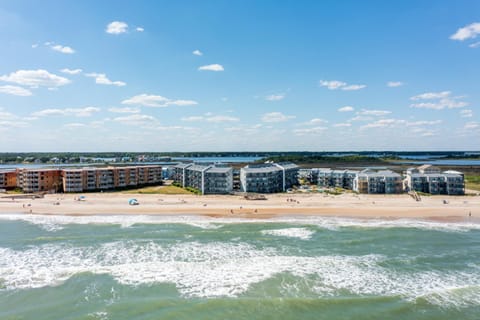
x,y
328,178
8,179
85,179
208,179
39,180
377,182
430,179
268,177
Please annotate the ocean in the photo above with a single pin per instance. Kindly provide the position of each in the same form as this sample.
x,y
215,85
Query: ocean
x,y
191,267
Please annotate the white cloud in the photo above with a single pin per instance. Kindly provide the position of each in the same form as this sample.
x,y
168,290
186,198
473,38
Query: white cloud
x,y
467,113
211,67
124,110
197,52
74,125
136,119
474,45
468,32
35,45
346,109
76,112
210,118
376,113
346,124
382,123
276,117
423,123
147,100
16,91
335,84
316,121
62,49
71,71
139,29
35,78
192,118
353,87
116,27
471,125
101,78
443,100
431,95
275,97
394,84
314,130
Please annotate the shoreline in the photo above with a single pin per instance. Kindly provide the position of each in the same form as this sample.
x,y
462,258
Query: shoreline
x,y
445,208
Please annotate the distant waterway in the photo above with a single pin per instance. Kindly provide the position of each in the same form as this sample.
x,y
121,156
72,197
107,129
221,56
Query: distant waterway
x,y
219,159
445,162
187,267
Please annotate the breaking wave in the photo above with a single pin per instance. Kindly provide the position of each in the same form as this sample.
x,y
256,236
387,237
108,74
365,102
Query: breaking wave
x,y
229,269
56,222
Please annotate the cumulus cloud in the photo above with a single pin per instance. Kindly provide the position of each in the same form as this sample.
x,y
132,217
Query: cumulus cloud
x,y
275,97
211,67
76,112
315,121
382,123
468,32
437,101
136,119
376,113
394,84
474,45
211,118
16,91
423,123
116,27
471,125
124,110
344,124
139,29
308,131
467,113
35,78
431,95
276,117
197,52
148,100
62,49
335,85
71,71
346,109
101,78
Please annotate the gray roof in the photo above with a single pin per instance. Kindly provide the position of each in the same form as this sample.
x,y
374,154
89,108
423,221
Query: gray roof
x,y
182,165
219,169
260,168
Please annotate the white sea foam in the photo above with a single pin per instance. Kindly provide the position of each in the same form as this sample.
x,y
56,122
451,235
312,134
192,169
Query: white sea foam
x,y
300,233
56,222
230,269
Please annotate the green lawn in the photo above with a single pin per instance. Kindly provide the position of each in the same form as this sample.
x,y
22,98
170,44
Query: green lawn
x,y
159,190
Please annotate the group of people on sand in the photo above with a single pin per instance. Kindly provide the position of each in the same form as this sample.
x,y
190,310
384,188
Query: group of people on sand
x,y
293,200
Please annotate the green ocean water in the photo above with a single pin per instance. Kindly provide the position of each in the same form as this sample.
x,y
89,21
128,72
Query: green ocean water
x,y
114,267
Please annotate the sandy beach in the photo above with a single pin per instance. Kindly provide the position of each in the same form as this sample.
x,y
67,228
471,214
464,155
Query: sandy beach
x,y
346,205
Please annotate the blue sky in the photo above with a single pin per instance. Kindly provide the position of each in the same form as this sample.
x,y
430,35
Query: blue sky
x,y
239,75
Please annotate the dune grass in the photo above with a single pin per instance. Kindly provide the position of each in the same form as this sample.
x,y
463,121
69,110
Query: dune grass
x,y
159,190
